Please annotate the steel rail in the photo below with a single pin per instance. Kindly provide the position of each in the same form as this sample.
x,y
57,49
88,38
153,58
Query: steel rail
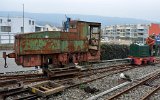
x,y
134,86
88,81
107,69
150,93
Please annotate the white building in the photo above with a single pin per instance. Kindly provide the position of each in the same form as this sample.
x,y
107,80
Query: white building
x,y
47,27
10,26
126,33
39,28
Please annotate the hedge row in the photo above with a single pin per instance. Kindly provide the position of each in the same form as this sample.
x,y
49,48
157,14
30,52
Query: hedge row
x,y
114,51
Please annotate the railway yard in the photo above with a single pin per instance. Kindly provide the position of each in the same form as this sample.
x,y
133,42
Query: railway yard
x,y
95,82
73,65
60,50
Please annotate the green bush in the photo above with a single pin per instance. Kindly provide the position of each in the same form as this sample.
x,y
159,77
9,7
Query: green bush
x,y
114,51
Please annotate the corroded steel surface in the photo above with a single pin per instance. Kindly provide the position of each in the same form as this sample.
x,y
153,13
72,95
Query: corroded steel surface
x,y
37,43
80,43
39,46
69,36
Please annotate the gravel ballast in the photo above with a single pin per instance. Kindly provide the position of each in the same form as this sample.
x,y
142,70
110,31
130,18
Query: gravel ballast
x,y
103,84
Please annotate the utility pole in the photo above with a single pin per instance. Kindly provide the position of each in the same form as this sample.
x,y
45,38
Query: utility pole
x,y
23,18
8,20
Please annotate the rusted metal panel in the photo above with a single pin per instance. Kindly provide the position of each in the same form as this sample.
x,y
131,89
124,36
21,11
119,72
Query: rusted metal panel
x,y
64,46
64,35
19,60
95,57
83,30
39,46
74,46
69,36
82,57
73,30
73,26
31,60
12,55
37,43
63,58
73,36
16,46
80,46
71,47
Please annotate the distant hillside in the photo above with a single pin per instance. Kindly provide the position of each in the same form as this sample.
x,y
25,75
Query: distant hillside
x,y
56,19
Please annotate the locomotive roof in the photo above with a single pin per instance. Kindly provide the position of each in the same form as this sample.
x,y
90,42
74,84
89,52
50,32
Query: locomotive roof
x,y
90,23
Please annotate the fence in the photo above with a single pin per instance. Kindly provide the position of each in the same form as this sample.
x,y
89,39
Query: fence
x,y
6,38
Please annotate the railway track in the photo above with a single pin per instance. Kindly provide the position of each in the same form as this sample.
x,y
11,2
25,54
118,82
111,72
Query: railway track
x,y
94,79
146,97
33,96
138,83
113,68
69,84
32,73
90,72
19,94
68,81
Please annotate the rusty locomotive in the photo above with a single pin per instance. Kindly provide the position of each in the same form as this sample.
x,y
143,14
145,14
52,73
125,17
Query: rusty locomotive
x,y
79,42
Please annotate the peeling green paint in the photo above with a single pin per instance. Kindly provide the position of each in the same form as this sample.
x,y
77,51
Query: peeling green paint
x,y
64,46
47,34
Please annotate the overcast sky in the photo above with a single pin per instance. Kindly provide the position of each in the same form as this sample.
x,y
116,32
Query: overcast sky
x,y
141,9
